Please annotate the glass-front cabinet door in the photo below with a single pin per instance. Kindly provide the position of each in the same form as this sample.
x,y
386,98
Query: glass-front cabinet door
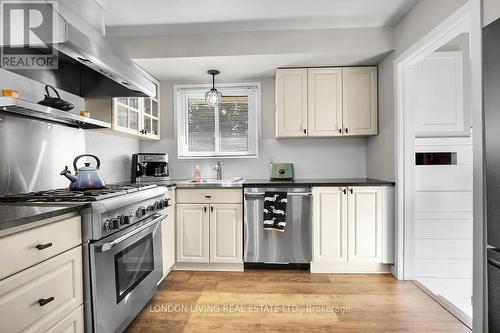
x,y
150,118
126,114
139,116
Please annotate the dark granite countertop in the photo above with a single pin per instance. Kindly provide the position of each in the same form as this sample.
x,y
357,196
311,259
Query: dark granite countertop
x,y
318,182
20,214
267,182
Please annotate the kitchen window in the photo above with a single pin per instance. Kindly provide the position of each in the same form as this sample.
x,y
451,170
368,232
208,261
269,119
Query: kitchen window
x,y
227,130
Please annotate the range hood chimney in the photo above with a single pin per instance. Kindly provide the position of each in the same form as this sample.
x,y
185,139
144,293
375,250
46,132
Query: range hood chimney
x,y
88,65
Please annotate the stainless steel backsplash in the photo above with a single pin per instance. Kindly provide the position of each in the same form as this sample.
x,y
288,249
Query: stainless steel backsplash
x,y
32,153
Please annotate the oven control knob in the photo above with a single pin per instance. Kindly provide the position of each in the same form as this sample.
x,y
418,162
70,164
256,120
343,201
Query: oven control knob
x,y
114,223
159,204
166,202
124,219
141,211
151,208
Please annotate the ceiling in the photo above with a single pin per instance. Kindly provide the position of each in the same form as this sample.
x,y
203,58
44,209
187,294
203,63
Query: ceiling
x,y
132,17
251,67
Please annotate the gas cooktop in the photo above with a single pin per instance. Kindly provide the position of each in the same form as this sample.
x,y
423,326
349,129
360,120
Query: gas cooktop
x,y
65,195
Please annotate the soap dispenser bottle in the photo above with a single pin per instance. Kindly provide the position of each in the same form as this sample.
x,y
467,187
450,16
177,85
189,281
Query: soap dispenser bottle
x,y
197,173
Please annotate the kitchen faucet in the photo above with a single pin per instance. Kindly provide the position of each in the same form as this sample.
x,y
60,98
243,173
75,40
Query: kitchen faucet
x,y
218,168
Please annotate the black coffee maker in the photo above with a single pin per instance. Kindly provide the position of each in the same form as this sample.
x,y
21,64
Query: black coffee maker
x,y
149,167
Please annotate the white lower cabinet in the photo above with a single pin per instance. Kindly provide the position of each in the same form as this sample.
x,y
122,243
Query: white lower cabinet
x,y
192,233
330,225
168,240
72,323
209,234
364,224
226,233
41,296
352,229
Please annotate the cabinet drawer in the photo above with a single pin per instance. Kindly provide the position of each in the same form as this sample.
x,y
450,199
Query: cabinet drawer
x,y
21,294
72,323
22,246
209,196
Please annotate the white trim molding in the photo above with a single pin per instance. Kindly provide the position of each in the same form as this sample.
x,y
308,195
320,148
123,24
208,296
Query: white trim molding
x,y
184,91
467,19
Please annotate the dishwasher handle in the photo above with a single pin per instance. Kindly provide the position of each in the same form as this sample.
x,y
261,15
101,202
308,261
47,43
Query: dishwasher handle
x,y
290,194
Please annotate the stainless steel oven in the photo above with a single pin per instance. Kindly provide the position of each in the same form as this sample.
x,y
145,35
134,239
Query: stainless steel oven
x,y
125,269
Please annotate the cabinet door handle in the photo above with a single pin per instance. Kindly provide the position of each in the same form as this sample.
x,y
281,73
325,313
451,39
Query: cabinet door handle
x,y
350,190
346,130
44,301
340,130
305,131
345,191
205,209
43,246
211,208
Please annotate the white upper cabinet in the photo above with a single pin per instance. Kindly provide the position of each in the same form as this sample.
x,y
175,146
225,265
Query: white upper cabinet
x,y
439,95
129,116
360,101
324,101
291,103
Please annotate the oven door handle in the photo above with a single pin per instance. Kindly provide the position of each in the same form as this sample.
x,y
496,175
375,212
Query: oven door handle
x,y
108,246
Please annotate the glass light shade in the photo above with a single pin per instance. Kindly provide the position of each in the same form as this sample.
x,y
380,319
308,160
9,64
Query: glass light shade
x,y
213,97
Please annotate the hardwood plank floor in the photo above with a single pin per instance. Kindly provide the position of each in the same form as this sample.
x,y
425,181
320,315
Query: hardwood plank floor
x,y
291,301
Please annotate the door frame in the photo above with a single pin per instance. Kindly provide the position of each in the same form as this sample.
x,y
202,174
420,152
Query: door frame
x,y
466,19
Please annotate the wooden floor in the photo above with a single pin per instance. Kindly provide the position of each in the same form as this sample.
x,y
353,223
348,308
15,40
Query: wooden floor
x,y
291,301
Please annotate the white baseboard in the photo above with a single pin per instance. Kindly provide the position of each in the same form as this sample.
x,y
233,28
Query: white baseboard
x,y
188,266
450,307
346,267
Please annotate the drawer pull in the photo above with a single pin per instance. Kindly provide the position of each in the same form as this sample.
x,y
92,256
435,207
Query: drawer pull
x,y
44,301
43,246
208,197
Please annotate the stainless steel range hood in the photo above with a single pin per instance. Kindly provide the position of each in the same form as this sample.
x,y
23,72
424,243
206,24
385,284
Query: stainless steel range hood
x,y
89,65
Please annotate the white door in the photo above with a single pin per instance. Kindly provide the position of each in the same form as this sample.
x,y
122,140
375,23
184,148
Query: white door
x,y
330,224
439,97
360,112
168,240
324,101
365,224
291,102
226,233
192,233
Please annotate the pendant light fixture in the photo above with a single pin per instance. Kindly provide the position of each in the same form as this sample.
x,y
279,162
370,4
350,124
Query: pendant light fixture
x,y
213,97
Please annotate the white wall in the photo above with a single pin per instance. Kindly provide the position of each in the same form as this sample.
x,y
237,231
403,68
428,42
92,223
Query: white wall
x,y
426,15
380,149
491,11
334,157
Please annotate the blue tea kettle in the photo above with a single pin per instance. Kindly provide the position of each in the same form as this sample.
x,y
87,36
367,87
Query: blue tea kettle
x,y
85,178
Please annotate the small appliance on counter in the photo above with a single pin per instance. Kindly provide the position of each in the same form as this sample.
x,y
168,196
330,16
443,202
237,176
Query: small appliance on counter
x,y
281,171
149,167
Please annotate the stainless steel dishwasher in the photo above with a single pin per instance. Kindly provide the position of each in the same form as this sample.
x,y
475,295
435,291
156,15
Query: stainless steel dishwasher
x,y
294,245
